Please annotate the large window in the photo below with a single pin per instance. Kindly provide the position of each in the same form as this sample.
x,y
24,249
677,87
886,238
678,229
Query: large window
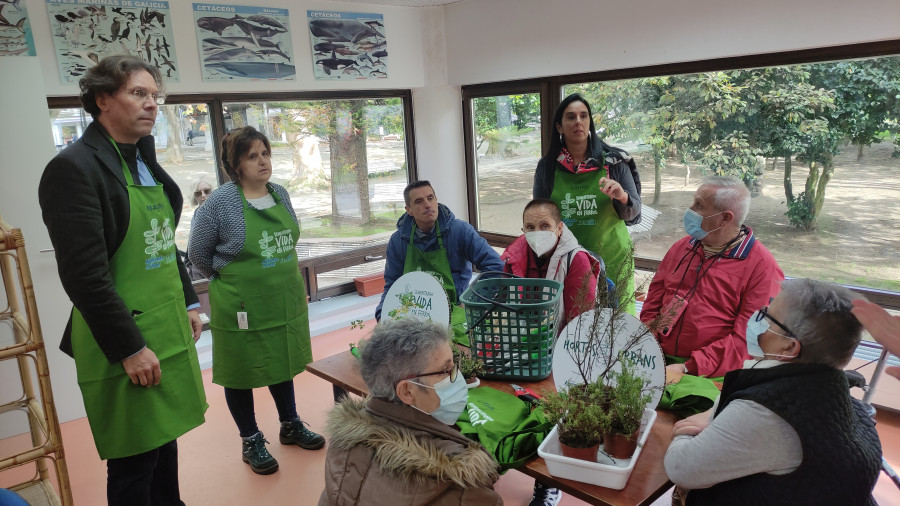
x,y
818,144
184,148
344,161
507,148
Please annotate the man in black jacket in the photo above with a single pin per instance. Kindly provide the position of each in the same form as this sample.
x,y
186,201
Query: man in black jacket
x,y
111,211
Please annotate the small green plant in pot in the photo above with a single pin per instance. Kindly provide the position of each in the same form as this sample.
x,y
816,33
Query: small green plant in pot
x,y
630,395
578,415
469,367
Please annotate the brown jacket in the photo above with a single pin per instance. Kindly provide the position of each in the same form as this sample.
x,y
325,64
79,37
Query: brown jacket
x,y
391,454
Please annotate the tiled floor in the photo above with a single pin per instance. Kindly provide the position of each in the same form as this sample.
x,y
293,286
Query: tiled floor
x,y
212,472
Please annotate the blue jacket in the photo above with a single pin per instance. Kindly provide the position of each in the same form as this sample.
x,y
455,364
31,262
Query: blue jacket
x,y
464,248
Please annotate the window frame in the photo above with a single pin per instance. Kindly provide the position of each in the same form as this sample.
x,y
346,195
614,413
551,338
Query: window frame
x,y
551,95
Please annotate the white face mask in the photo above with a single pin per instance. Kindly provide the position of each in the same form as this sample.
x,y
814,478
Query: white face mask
x,y
454,396
541,241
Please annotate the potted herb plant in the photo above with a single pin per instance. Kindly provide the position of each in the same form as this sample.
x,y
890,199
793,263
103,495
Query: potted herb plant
x,y
629,397
604,392
469,367
577,412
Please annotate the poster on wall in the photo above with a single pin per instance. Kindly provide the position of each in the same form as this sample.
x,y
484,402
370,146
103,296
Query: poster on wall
x,y
348,45
86,32
244,43
15,30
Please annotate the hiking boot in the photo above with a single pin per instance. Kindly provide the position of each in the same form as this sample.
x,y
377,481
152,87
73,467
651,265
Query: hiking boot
x,y
255,454
545,496
296,433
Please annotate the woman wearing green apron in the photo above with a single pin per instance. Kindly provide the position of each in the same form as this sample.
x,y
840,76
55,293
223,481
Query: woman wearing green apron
x,y
243,240
597,190
597,195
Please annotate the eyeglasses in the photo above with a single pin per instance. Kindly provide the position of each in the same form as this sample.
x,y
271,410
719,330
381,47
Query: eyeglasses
x,y
142,95
764,313
205,191
453,372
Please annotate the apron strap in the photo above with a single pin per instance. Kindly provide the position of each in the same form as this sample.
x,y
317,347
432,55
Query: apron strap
x,y
437,229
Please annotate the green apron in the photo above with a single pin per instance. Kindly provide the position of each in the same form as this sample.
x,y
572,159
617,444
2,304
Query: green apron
x,y
128,419
590,215
437,264
263,284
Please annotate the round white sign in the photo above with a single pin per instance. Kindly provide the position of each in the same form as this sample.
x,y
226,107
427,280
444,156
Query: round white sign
x,y
631,340
418,295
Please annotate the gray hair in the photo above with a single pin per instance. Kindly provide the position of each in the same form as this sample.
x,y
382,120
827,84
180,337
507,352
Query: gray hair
x,y
396,350
818,313
109,76
731,195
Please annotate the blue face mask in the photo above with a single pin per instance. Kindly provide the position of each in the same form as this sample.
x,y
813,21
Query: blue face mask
x,y
693,221
453,395
754,330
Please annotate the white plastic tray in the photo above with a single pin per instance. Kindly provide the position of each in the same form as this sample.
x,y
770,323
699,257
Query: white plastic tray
x,y
613,473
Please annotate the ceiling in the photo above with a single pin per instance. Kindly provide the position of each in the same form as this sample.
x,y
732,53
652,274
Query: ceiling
x,y
405,3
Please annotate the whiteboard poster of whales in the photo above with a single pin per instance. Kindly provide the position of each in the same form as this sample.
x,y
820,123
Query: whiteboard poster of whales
x,y
239,43
348,45
86,32
15,30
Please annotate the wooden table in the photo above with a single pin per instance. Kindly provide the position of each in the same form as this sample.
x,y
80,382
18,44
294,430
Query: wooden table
x,y
648,480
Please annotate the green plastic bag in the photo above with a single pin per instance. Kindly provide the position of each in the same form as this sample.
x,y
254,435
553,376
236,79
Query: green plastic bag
x,y
458,325
507,426
691,395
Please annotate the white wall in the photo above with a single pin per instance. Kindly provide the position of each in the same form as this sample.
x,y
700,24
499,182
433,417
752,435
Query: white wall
x,y
27,145
438,116
501,40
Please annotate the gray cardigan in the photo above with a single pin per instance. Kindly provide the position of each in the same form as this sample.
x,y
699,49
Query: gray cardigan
x,y
217,230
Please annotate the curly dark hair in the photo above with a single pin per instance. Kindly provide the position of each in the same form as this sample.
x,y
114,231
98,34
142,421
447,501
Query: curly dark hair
x,y
236,145
109,76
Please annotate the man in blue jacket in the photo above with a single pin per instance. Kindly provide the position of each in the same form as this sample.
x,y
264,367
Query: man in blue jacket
x,y
429,238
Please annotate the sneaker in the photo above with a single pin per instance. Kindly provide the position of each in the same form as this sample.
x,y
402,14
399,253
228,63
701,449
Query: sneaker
x,y
296,433
545,496
255,454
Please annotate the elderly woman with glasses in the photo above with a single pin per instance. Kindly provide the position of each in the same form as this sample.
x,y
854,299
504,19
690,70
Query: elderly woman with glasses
x,y
785,429
200,190
398,446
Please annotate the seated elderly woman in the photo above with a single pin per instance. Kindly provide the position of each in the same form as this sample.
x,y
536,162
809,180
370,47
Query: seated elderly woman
x,y
785,429
397,446
200,191
547,249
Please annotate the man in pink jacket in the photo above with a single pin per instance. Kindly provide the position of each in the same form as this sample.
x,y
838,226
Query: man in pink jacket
x,y
710,282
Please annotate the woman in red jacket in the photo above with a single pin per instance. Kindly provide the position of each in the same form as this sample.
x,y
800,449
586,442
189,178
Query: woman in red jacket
x,y
547,249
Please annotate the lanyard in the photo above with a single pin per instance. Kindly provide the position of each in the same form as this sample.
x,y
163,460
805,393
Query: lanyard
x,y
700,271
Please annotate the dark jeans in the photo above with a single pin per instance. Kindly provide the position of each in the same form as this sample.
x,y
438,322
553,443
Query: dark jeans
x,y
145,479
240,403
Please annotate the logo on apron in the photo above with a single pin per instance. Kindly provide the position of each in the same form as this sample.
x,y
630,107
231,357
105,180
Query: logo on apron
x,y
159,239
271,245
565,206
578,207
